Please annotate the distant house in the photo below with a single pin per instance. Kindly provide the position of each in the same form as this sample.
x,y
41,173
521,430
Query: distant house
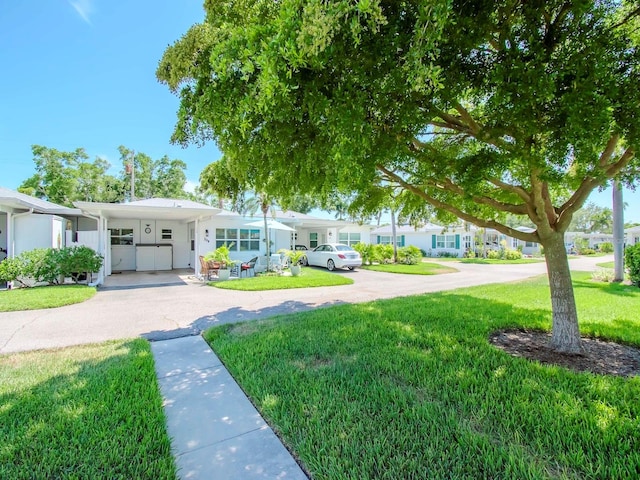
x,y
432,239
632,235
594,240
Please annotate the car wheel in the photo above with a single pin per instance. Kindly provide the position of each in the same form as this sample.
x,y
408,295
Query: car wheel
x,y
351,268
330,265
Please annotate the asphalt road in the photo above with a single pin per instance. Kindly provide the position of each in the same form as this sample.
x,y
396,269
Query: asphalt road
x,y
181,309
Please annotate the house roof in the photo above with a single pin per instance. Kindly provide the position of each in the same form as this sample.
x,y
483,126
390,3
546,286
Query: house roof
x,y
635,229
151,208
20,201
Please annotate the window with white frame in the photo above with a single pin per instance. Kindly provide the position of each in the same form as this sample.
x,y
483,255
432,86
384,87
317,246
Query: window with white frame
x,y
446,241
530,244
313,240
228,237
467,241
249,240
388,240
349,238
121,236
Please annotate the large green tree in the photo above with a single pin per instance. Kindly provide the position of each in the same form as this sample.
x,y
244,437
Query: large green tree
x,y
480,109
64,177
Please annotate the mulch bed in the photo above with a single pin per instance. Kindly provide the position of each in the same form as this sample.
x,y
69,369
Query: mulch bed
x,y
600,357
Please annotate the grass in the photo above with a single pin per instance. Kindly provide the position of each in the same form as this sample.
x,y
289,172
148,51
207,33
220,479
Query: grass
x,y
411,387
44,297
93,411
422,268
498,261
606,265
309,277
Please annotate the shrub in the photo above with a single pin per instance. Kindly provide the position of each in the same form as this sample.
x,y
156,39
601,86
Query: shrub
x,y
606,247
448,254
383,253
493,254
469,253
510,254
587,251
410,255
632,262
603,275
48,265
366,252
74,261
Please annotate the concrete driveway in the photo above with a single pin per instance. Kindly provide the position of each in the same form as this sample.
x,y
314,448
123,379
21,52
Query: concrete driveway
x,y
182,308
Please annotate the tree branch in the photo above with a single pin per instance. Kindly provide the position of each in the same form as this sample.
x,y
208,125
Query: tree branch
x,y
525,236
466,116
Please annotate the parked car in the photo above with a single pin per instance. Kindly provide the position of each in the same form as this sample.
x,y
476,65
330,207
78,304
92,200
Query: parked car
x,y
332,256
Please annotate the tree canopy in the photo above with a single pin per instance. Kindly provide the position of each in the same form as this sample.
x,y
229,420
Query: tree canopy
x,y
478,109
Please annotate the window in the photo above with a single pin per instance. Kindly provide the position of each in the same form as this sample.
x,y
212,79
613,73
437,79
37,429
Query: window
x,y
228,237
446,241
167,234
249,240
349,238
530,244
386,240
121,236
467,242
313,240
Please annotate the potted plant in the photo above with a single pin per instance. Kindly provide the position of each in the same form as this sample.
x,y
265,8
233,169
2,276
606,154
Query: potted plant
x,y
294,260
222,257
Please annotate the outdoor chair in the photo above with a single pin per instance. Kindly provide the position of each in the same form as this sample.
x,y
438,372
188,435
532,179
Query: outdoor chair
x,y
248,266
205,271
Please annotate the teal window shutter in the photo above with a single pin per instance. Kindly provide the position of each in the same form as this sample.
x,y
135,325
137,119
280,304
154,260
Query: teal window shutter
x,y
457,241
402,240
378,240
433,241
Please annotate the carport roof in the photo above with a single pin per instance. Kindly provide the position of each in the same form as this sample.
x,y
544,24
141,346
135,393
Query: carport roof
x,y
20,201
152,208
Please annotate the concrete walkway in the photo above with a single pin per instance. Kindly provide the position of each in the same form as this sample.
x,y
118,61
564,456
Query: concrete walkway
x,y
215,430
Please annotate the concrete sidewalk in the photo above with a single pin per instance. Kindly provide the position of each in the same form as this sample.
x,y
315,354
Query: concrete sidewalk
x,y
215,430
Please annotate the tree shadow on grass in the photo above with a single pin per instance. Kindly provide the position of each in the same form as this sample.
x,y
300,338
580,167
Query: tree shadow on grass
x,y
87,412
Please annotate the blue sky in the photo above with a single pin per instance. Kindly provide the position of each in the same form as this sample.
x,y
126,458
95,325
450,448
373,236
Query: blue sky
x,y
81,73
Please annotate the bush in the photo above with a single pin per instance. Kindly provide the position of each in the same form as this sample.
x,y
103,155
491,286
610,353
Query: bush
x,y
512,254
606,247
587,251
409,255
48,265
448,254
632,262
366,252
493,254
603,275
383,253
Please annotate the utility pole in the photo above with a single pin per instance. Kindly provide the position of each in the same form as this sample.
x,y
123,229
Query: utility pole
x,y
618,232
131,170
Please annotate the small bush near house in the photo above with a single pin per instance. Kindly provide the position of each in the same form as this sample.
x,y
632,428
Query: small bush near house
x,y
49,264
606,247
587,251
512,254
448,254
493,254
366,252
632,262
603,275
409,255
383,253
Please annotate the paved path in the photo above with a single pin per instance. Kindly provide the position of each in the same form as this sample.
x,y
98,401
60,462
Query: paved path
x,y
163,312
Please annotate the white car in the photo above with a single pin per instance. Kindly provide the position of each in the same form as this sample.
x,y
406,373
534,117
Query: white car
x,y
332,256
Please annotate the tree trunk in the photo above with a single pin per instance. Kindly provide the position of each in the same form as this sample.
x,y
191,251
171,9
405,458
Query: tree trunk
x,y
565,333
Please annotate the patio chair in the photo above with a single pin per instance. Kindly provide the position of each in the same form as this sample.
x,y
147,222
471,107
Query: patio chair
x,y
248,266
204,268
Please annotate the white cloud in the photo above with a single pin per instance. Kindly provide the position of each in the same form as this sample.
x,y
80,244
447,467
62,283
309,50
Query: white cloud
x,y
84,8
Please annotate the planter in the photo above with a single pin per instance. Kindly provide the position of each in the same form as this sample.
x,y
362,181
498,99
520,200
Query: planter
x,y
224,274
295,270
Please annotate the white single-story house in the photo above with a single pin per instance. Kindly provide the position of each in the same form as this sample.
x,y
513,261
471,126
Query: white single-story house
x,y
594,240
157,233
632,235
434,240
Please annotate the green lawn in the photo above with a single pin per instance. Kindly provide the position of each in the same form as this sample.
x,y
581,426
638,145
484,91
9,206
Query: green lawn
x,y
423,268
309,277
44,297
93,411
411,387
606,265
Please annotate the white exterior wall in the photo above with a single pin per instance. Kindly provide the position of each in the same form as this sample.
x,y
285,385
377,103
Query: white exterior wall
x,y
3,235
38,231
632,236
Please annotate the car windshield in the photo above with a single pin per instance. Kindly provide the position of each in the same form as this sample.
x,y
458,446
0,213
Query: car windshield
x,y
343,248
